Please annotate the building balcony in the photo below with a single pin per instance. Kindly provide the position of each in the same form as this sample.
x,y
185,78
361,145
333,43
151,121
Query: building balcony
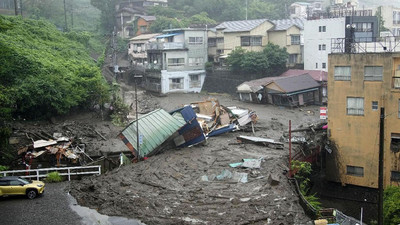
x,y
142,55
165,46
365,45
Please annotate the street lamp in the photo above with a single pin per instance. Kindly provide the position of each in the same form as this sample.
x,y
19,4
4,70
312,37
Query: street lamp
x,y
349,40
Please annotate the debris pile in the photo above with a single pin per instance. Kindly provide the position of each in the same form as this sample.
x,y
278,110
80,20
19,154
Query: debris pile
x,y
193,124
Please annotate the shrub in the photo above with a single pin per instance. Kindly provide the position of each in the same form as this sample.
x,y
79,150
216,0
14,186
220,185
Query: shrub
x,y
53,177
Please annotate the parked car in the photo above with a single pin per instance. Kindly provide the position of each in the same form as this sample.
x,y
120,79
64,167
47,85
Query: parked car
x,y
20,186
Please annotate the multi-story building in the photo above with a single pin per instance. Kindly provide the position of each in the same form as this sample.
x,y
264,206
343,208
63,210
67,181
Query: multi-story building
x,y
137,48
359,85
177,61
305,9
319,34
254,35
391,18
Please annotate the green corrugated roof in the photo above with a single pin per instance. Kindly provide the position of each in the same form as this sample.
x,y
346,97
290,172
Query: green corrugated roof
x,y
156,127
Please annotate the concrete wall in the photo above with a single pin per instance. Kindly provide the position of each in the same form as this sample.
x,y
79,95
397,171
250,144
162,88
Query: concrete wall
x,y
225,81
335,28
357,136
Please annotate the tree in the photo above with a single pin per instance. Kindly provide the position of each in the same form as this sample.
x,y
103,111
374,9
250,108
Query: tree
x,y
106,8
271,61
381,22
201,18
391,205
162,23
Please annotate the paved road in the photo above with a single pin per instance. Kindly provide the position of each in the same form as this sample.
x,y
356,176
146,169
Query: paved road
x,y
55,207
50,208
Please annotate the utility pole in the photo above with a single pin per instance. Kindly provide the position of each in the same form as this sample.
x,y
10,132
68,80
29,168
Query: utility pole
x,y
65,17
137,122
16,7
290,148
20,7
246,8
72,13
380,177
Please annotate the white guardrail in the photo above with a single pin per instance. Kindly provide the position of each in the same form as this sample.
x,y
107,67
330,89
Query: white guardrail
x,y
63,171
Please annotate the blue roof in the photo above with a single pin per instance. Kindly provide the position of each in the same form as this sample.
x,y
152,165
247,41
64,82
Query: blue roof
x,y
167,35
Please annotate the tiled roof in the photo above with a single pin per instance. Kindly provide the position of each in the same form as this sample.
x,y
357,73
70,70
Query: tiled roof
x,y
240,26
317,75
296,83
287,23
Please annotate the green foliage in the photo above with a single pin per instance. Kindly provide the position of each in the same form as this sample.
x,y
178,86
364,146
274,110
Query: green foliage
x,y
391,205
45,72
201,18
314,201
166,12
162,23
53,177
208,66
121,111
381,22
302,169
3,168
271,61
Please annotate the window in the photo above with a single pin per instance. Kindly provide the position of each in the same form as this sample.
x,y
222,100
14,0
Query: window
x,y
295,39
195,40
399,110
212,42
396,17
363,27
395,176
395,142
292,58
220,40
355,171
316,65
396,79
373,73
323,65
322,28
250,41
342,73
176,62
355,106
175,83
194,81
374,105
322,47
14,183
196,61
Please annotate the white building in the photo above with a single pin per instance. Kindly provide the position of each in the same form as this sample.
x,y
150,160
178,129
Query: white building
x,y
180,56
391,18
318,36
305,9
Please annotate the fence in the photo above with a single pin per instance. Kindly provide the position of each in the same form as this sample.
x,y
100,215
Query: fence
x,y
65,171
365,45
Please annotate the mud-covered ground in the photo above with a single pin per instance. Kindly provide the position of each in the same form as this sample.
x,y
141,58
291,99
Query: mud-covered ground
x,y
168,188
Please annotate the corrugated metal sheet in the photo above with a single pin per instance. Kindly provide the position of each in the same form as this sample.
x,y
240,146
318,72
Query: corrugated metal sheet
x,y
155,127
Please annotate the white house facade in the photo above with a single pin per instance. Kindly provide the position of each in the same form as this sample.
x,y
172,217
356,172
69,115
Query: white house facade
x,y
318,35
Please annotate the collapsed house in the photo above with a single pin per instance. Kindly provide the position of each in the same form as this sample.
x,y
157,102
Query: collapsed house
x,y
292,88
193,124
57,152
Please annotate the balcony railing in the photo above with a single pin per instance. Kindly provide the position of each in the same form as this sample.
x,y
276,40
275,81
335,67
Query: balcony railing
x,y
364,45
165,46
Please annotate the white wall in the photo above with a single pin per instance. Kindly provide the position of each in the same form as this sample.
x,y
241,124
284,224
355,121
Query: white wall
x,y
335,28
185,75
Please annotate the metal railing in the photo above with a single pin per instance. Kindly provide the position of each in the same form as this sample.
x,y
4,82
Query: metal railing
x,y
64,171
165,45
365,45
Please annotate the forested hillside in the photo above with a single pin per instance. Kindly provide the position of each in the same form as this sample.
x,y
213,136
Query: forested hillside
x,y
45,72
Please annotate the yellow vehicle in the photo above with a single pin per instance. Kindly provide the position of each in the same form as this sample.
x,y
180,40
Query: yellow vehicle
x,y
20,186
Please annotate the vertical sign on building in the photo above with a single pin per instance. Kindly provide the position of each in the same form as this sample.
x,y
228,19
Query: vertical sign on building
x,y
322,113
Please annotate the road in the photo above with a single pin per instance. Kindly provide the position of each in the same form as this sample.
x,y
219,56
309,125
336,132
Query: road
x,y
55,207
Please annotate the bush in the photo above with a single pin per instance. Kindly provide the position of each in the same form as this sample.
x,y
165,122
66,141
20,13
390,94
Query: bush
x,y
391,205
53,177
3,168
